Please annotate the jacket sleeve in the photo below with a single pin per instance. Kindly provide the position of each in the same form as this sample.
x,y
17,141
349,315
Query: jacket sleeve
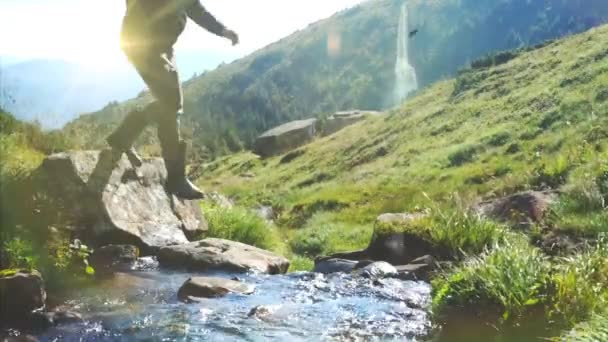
x,y
204,19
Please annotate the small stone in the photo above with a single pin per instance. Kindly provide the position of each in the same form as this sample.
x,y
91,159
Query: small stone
x,y
21,292
112,257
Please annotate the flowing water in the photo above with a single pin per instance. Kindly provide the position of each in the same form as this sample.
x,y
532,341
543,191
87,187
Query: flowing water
x,y
405,74
142,306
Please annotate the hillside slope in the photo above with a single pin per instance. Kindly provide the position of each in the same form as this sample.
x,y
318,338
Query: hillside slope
x,y
299,76
536,121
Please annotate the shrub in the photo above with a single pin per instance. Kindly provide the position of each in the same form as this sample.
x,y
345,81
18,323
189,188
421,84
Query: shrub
x,y
499,139
462,156
510,278
239,224
552,175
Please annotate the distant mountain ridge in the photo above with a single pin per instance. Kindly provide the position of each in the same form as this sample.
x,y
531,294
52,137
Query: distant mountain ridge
x,y
54,92
347,61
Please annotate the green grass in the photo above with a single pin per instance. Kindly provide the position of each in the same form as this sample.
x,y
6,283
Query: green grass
x,y
509,279
581,285
322,235
242,225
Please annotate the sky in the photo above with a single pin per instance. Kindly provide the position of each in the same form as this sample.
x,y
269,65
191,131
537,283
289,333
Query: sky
x,y
87,31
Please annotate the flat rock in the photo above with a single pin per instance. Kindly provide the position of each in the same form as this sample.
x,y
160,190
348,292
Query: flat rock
x,y
285,137
21,292
334,266
341,120
223,255
206,287
116,203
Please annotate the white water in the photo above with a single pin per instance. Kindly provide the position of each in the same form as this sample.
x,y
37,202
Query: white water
x,y
405,74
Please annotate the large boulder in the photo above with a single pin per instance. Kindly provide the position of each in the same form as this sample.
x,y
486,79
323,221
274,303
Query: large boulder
x,y
285,137
218,254
520,210
116,203
21,292
341,120
206,287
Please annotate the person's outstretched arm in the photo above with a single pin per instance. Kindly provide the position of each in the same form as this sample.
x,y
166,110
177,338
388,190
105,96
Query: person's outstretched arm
x,y
204,19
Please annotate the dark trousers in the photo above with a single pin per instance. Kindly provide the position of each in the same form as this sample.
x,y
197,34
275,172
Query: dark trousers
x,y
158,70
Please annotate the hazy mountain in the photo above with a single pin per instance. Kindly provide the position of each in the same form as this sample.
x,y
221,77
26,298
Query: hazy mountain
x,y
54,92
348,61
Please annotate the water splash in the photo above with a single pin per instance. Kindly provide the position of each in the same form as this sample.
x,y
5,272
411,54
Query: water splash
x,y
405,74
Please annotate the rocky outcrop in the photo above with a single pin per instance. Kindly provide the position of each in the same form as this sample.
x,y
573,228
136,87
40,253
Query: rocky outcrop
x,y
109,200
218,254
341,120
206,287
21,292
285,137
519,210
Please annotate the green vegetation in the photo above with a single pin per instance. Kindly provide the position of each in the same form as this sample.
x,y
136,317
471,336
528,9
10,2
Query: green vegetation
x,y
509,280
242,225
299,77
26,242
516,125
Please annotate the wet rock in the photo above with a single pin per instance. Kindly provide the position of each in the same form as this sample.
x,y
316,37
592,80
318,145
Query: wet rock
x,y
262,312
341,120
354,255
286,137
114,257
223,255
63,317
378,270
414,271
21,292
334,266
519,210
400,248
205,287
425,260
115,203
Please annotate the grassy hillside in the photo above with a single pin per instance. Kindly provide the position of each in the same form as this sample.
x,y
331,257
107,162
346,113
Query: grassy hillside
x,y
300,76
520,120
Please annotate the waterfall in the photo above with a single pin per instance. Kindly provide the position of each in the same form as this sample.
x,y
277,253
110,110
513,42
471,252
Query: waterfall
x,y
405,75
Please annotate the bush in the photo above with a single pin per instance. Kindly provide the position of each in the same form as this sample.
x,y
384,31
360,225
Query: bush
x,y
242,225
510,278
462,156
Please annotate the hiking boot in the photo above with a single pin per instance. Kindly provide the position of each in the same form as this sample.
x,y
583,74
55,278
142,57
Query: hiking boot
x,y
121,140
177,182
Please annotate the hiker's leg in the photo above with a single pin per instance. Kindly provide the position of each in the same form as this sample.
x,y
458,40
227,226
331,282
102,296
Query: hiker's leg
x,y
123,137
165,86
